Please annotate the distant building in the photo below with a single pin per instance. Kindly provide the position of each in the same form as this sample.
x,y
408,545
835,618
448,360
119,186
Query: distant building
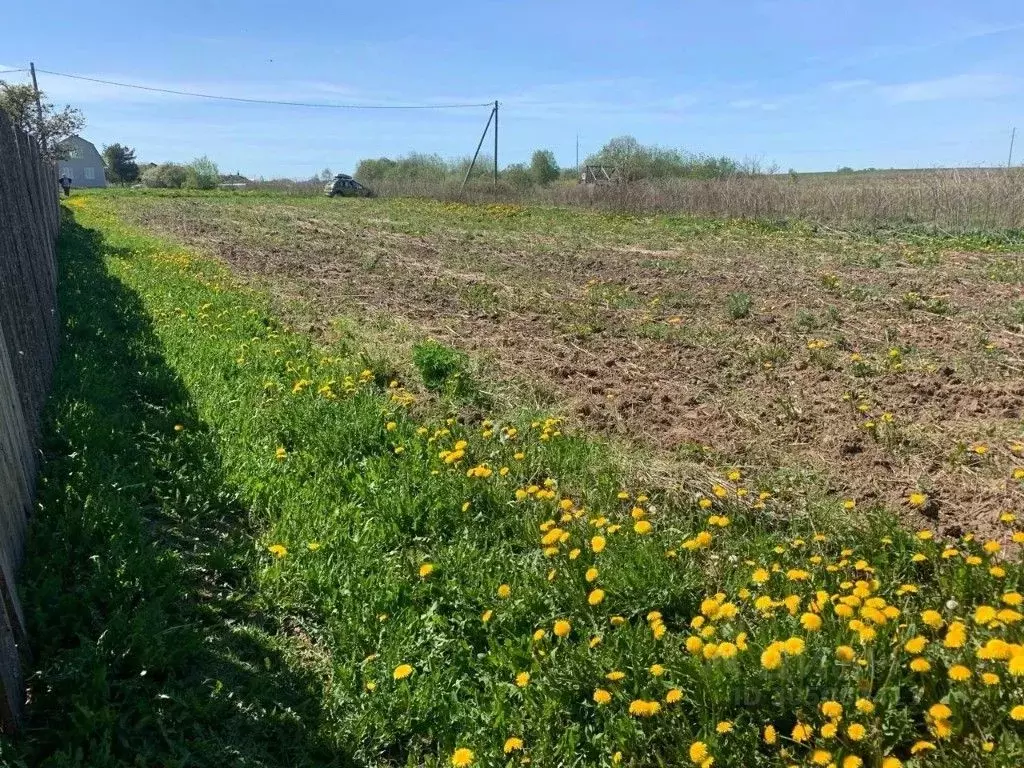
x,y
233,181
81,163
599,174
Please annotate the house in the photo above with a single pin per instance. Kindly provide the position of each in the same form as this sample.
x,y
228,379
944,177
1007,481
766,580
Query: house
x,y
80,162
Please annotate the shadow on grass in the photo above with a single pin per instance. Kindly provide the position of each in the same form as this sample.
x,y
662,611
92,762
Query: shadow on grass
x,y
149,648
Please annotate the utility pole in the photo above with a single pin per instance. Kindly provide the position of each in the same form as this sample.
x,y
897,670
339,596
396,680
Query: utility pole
x,y
472,164
1013,135
577,157
39,107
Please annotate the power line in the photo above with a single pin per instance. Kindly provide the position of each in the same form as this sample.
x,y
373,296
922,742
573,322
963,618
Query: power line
x,y
260,101
9,71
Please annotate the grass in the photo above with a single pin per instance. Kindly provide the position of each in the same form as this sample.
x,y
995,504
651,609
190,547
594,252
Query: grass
x,y
314,563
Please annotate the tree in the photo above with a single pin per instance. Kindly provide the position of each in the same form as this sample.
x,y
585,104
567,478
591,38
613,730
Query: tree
x,y
543,167
201,173
19,102
325,175
119,164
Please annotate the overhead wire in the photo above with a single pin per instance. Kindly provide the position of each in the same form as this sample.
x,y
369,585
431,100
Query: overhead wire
x,y
245,100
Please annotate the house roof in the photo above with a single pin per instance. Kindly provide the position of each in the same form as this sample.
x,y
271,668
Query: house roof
x,y
73,137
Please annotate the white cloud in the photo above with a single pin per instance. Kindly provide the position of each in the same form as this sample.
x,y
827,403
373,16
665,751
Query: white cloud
x,y
847,85
762,104
966,87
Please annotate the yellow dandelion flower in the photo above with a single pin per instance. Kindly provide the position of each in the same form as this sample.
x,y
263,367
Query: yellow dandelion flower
x,y
1017,713
771,657
915,645
642,708
562,628
462,757
794,646
512,744
821,757
426,569
504,591
852,761
278,550
892,762
802,732
402,671
811,622
958,673
698,752
598,543
596,597
845,653
615,675
956,635
601,696
932,618
856,732
864,706
917,499
920,664
673,695
921,746
832,709
723,727
523,679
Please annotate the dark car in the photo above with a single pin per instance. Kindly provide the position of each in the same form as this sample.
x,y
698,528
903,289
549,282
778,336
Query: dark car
x,y
346,186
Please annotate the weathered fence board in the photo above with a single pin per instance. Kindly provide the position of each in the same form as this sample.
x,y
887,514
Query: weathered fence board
x,y
29,332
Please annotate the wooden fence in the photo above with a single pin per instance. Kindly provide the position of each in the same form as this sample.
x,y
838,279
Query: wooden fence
x,y
29,220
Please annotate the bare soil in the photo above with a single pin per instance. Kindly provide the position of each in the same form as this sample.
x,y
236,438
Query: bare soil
x,y
629,322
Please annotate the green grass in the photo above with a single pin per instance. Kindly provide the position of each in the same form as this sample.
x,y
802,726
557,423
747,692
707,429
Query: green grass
x,y
239,591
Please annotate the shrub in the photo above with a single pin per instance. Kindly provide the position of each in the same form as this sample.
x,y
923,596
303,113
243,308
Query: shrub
x,y
165,176
202,173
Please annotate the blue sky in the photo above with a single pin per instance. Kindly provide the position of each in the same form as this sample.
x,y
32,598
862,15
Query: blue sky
x,y
808,84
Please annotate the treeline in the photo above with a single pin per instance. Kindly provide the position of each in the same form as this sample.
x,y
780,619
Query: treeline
x,y
632,160
417,166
